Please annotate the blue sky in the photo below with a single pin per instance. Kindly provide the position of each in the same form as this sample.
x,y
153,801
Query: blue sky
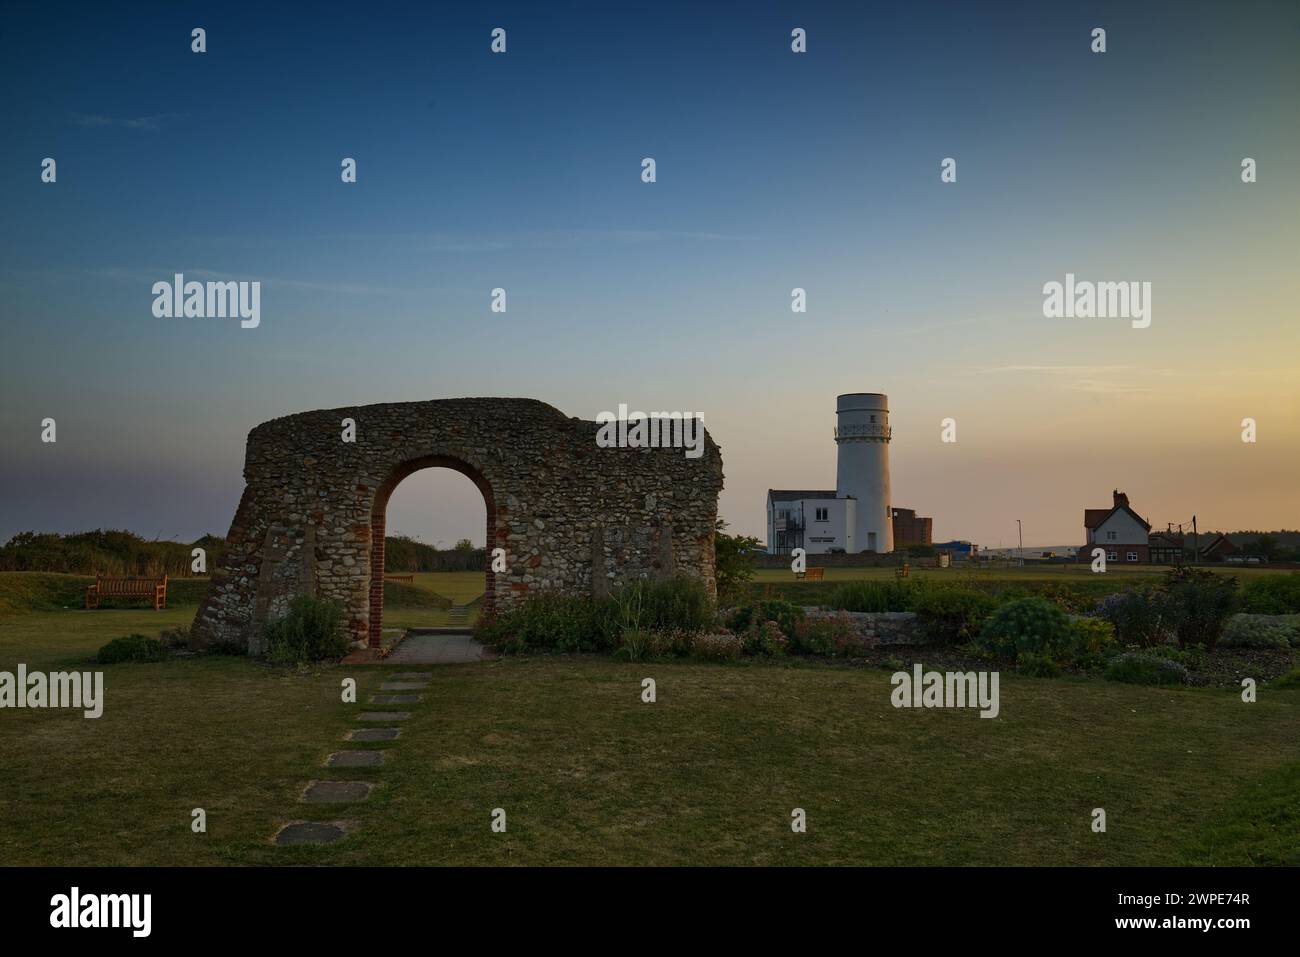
x,y
775,170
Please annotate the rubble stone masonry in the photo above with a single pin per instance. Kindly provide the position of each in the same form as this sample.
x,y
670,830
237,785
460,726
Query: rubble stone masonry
x,y
571,516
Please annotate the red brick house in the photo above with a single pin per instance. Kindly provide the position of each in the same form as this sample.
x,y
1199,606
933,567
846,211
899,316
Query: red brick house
x,y
1122,532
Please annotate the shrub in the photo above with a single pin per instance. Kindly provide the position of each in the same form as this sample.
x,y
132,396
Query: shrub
x,y
1289,680
951,616
1272,595
178,637
1202,603
1027,625
1144,668
550,621
311,630
721,646
830,635
131,648
1036,665
733,562
871,596
677,603
638,644
1091,635
1192,658
786,614
1261,631
1140,616
765,640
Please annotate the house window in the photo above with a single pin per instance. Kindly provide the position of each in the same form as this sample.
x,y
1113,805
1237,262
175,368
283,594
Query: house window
x,y
873,418
1110,536
1112,556
1132,556
782,513
822,515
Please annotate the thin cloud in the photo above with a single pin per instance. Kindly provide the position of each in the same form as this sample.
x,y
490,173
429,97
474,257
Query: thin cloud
x,y
137,123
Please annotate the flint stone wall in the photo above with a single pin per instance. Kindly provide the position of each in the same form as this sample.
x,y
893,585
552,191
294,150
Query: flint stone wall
x,y
571,516
887,627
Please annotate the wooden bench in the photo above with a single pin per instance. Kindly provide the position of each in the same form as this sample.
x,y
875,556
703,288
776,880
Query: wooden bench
x,y
399,578
154,589
812,575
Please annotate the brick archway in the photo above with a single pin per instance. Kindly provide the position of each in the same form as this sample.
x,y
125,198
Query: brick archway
x,y
572,516
377,533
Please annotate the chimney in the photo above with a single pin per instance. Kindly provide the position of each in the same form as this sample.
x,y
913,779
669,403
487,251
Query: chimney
x,y
1120,498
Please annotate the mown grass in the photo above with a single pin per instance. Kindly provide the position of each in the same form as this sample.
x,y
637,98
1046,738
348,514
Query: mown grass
x,y
427,601
588,774
957,574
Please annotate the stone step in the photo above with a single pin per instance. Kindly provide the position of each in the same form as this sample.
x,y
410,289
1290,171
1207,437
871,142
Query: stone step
x,y
373,734
404,686
383,715
336,792
355,759
311,832
412,675
396,698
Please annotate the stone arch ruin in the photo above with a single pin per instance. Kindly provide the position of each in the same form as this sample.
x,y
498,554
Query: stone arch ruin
x,y
571,515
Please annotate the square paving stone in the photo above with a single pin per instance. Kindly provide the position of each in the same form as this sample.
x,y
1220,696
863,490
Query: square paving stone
x,y
355,759
383,715
311,832
335,792
404,686
374,734
396,698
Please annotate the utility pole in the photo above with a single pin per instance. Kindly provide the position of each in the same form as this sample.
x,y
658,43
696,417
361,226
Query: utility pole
x,y
1196,550
1020,533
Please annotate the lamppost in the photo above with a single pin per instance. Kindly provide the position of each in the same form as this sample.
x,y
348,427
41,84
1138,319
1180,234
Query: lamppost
x,y
1020,533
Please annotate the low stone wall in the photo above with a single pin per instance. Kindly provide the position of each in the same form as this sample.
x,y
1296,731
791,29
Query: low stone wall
x,y
887,627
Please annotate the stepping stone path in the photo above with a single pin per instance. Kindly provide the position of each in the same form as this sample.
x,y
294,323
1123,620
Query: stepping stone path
x,y
338,792
458,615
310,832
355,759
374,734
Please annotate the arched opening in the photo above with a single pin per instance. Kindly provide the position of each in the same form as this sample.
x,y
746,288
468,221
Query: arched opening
x,y
379,529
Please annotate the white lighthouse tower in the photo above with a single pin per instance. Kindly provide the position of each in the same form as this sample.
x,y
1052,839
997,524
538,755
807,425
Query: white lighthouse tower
x,y
862,469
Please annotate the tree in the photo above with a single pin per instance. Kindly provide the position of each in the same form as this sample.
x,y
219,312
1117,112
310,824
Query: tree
x,y
734,562
464,545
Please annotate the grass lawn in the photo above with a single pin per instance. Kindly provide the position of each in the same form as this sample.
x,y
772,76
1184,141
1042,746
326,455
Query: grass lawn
x,y
590,775
404,610
1064,573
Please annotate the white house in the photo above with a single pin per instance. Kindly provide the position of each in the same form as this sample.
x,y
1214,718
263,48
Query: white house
x,y
1122,532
